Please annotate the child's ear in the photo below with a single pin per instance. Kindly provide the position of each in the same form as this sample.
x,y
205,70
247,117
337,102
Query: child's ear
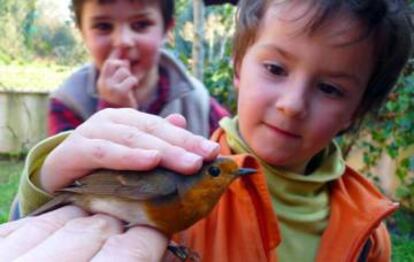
x,y
170,26
236,77
236,80
168,35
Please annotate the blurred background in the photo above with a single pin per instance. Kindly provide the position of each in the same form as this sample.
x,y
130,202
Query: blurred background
x,y
40,46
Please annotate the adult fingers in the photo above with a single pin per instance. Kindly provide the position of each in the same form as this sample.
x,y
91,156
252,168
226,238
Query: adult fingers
x,y
78,156
173,157
162,129
33,230
103,153
79,240
137,244
177,120
9,227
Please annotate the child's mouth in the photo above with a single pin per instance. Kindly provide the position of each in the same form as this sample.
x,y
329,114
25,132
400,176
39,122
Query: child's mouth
x,y
283,132
134,63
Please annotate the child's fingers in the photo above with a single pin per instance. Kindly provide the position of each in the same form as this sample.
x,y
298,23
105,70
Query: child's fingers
x,y
113,62
122,91
125,88
112,66
116,82
120,75
126,85
31,231
115,54
137,244
132,101
172,157
78,240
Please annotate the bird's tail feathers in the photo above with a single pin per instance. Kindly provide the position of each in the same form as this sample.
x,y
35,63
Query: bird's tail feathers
x,y
55,203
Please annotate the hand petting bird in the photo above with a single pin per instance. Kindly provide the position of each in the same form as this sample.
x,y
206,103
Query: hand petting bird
x,y
159,198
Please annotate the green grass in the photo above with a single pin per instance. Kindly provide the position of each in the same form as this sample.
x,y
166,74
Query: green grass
x,y
9,179
32,77
402,248
401,224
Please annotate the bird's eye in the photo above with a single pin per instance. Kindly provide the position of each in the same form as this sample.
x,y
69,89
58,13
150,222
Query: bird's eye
x,y
214,171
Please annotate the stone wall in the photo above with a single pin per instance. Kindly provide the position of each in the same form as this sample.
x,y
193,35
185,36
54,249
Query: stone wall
x,y
22,120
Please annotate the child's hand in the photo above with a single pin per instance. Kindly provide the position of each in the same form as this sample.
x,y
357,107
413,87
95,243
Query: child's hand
x,y
125,139
97,238
116,83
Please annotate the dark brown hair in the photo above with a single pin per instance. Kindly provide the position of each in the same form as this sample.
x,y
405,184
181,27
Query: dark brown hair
x,y
167,9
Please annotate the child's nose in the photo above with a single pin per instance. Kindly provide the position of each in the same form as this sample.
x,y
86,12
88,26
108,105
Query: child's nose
x,y
123,37
293,102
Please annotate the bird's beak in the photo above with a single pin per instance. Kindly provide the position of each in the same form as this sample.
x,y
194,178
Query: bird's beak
x,y
246,171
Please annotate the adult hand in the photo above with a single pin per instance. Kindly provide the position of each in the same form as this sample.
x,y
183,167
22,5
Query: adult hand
x,y
69,234
125,139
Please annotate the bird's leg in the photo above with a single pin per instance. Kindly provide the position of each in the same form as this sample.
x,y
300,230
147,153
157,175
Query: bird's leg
x,y
183,253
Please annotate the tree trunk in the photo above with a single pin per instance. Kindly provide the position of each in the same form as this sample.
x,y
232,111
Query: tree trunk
x,y
198,49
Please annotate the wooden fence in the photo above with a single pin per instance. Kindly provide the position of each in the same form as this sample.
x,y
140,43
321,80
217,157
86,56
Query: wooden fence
x,y
22,120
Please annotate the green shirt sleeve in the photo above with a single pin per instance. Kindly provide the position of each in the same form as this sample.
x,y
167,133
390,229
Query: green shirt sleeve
x,y
30,196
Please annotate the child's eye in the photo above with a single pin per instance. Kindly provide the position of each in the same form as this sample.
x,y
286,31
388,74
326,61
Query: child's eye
x,y
140,25
331,90
275,69
102,27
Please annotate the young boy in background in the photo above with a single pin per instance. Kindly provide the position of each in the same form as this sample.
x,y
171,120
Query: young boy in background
x,y
129,68
305,71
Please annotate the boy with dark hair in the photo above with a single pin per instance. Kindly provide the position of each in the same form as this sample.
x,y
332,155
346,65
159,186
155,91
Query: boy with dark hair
x,y
129,68
305,71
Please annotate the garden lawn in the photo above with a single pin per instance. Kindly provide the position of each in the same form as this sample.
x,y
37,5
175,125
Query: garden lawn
x,y
36,77
401,223
9,179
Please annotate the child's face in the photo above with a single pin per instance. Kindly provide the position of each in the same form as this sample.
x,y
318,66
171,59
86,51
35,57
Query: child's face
x,y
133,27
297,90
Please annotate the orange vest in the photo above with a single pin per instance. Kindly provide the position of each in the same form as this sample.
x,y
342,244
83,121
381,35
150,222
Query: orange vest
x,y
243,226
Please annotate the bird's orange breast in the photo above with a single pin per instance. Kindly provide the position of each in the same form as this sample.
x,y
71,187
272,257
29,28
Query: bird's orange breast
x,y
179,213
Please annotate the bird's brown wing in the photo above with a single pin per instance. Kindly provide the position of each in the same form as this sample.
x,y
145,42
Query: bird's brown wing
x,y
127,184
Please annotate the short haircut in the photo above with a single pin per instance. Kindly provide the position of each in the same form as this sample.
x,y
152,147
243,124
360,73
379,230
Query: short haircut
x,y
387,22
167,9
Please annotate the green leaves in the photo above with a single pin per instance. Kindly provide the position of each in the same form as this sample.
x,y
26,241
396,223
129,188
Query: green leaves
x,y
392,132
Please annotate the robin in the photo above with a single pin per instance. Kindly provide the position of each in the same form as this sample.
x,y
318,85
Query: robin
x,y
158,198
